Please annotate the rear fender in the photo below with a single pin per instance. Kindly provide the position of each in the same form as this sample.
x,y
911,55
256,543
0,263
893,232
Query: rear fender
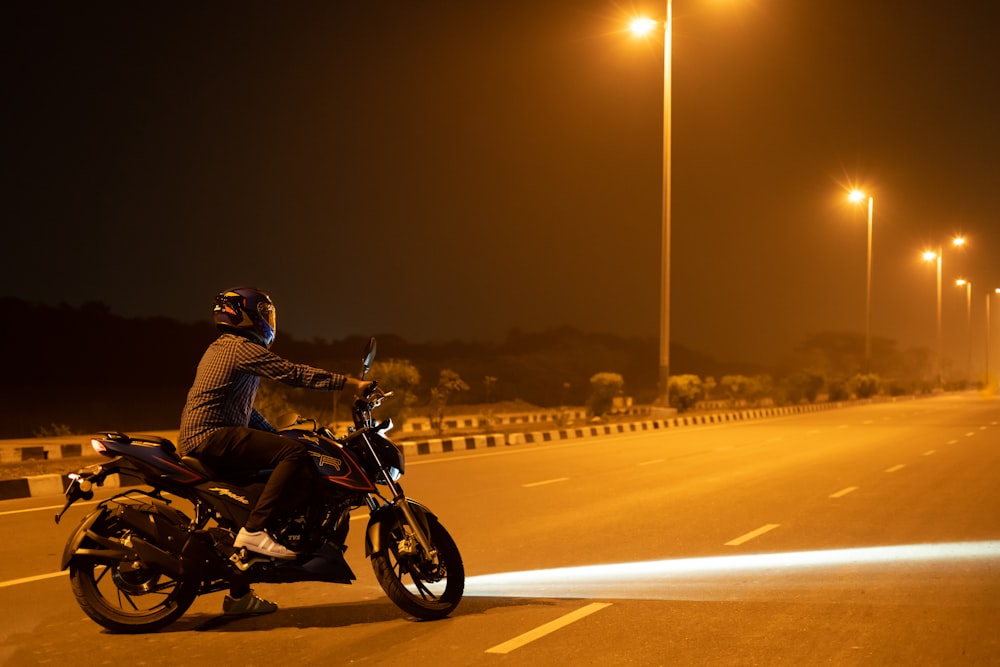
x,y
74,542
388,517
152,521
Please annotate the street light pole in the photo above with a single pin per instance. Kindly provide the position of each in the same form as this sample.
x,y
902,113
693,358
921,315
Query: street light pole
x,y
643,26
932,255
940,338
856,196
938,255
987,383
664,373
967,284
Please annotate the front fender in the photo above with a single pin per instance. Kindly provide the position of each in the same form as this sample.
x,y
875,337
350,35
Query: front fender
x,y
385,519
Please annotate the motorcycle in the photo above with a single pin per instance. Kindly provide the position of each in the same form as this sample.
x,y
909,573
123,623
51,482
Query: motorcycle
x,y
139,560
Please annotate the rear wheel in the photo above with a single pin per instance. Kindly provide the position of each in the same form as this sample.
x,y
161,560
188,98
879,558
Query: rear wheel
x,y
428,588
126,596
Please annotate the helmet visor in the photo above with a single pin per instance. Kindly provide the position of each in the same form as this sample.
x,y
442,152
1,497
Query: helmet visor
x,y
268,314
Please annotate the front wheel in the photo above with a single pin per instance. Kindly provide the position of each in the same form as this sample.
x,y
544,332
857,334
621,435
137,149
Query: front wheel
x,y
428,588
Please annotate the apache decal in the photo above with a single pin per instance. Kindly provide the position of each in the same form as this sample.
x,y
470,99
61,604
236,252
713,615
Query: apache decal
x,y
222,491
325,460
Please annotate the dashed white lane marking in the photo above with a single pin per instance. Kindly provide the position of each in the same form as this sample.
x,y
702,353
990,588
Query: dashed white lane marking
x,y
843,492
970,434
896,467
952,442
548,628
930,452
752,534
547,481
649,463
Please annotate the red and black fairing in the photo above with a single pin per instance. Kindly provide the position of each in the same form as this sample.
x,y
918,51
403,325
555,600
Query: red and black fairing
x,y
334,463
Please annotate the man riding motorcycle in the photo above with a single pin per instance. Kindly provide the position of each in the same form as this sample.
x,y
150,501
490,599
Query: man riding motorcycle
x,y
220,426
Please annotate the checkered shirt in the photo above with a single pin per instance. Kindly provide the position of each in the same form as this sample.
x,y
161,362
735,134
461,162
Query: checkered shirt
x,y
226,383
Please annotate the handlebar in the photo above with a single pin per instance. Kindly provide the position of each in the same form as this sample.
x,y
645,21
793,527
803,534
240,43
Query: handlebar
x,y
370,398
373,395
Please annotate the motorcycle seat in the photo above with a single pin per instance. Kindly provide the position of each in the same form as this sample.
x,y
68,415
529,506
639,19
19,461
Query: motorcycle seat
x,y
240,479
142,439
199,467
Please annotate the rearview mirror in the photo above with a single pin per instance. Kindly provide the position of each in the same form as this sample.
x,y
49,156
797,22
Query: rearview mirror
x,y
369,357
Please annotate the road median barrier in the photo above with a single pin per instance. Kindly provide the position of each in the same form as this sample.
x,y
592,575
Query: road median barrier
x,y
54,448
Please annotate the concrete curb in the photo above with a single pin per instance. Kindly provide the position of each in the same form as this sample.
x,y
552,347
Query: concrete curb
x,y
47,485
443,445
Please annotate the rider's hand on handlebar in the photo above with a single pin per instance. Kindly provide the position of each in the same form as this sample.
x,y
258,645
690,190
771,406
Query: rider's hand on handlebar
x,y
361,387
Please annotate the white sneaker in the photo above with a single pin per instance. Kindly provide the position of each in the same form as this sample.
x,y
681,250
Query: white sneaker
x,y
260,542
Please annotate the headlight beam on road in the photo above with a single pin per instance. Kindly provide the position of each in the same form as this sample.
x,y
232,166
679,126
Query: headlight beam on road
x,y
638,580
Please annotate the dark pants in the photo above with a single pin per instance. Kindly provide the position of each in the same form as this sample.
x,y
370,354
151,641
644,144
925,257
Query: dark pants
x,y
240,450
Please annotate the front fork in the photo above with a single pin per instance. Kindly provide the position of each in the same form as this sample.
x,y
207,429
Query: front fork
x,y
412,526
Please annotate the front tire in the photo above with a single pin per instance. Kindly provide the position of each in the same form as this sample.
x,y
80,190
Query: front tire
x,y
428,589
126,596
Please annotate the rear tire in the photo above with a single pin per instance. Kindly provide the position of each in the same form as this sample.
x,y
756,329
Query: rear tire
x,y
424,588
125,596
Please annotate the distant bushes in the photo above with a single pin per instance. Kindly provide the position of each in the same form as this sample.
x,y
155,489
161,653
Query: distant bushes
x,y
687,391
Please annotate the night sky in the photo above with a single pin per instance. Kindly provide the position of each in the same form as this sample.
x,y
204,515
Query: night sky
x,y
445,170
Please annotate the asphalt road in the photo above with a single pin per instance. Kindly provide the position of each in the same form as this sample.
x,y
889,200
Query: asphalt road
x,y
861,536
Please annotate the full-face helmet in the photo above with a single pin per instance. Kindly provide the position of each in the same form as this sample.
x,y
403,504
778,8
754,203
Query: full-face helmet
x,y
246,311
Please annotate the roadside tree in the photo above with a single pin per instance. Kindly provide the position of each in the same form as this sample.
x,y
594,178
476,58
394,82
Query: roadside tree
x,y
401,378
685,391
449,382
604,388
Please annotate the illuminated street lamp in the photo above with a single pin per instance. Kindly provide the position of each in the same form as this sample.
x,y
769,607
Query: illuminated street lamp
x,y
643,27
930,256
857,196
967,284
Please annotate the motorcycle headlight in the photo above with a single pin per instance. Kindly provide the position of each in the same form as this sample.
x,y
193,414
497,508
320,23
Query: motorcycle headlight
x,y
394,474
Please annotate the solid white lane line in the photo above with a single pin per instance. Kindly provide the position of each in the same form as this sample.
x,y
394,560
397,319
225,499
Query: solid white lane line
x,y
547,481
48,508
28,580
752,534
548,628
843,492
896,467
